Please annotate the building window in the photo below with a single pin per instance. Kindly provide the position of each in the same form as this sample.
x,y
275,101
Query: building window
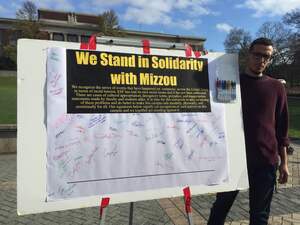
x,y
72,38
85,38
197,47
58,37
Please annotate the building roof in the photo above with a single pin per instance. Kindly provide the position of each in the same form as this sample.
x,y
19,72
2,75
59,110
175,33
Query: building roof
x,y
91,20
50,19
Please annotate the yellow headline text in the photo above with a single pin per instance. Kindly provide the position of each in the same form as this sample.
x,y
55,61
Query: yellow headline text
x,y
133,61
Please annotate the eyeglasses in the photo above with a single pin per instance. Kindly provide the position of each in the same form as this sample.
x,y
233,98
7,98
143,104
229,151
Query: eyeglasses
x,y
258,56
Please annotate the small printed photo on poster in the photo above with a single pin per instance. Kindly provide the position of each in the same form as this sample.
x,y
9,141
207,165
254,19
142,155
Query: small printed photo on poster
x,y
225,90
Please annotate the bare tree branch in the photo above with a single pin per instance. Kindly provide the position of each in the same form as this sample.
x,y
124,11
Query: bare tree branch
x,y
28,11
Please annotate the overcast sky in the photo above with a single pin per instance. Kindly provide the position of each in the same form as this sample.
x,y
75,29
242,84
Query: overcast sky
x,y
211,19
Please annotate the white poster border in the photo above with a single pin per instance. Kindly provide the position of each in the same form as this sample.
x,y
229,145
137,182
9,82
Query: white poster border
x,y
31,143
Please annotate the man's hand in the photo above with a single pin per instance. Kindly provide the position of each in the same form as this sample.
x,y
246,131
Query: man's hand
x,y
283,173
283,167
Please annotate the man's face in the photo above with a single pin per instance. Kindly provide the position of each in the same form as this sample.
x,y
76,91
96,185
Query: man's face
x,y
259,58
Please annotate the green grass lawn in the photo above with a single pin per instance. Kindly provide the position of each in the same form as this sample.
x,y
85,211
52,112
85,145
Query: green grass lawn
x,y
8,106
8,100
294,111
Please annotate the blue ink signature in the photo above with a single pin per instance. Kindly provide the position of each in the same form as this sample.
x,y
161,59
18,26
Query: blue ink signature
x,y
96,120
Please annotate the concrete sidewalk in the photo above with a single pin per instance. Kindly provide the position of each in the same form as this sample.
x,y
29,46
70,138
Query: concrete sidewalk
x,y
285,206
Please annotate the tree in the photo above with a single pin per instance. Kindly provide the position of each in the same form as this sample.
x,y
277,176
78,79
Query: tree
x,y
238,41
8,60
28,11
292,19
27,25
29,29
109,23
10,52
279,35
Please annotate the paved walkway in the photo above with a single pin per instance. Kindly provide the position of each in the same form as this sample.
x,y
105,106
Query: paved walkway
x,y
285,206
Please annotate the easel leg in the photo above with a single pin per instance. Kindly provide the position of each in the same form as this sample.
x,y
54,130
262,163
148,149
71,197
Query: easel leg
x,y
102,220
131,214
187,201
102,210
190,219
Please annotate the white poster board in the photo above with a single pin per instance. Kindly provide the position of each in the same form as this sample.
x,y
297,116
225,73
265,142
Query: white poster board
x,y
32,139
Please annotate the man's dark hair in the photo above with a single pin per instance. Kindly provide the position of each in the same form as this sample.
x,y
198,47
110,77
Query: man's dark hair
x,y
261,41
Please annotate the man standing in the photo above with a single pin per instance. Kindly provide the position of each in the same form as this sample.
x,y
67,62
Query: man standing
x,y
265,117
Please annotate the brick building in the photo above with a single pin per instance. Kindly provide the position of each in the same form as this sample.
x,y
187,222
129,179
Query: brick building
x,y
77,27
